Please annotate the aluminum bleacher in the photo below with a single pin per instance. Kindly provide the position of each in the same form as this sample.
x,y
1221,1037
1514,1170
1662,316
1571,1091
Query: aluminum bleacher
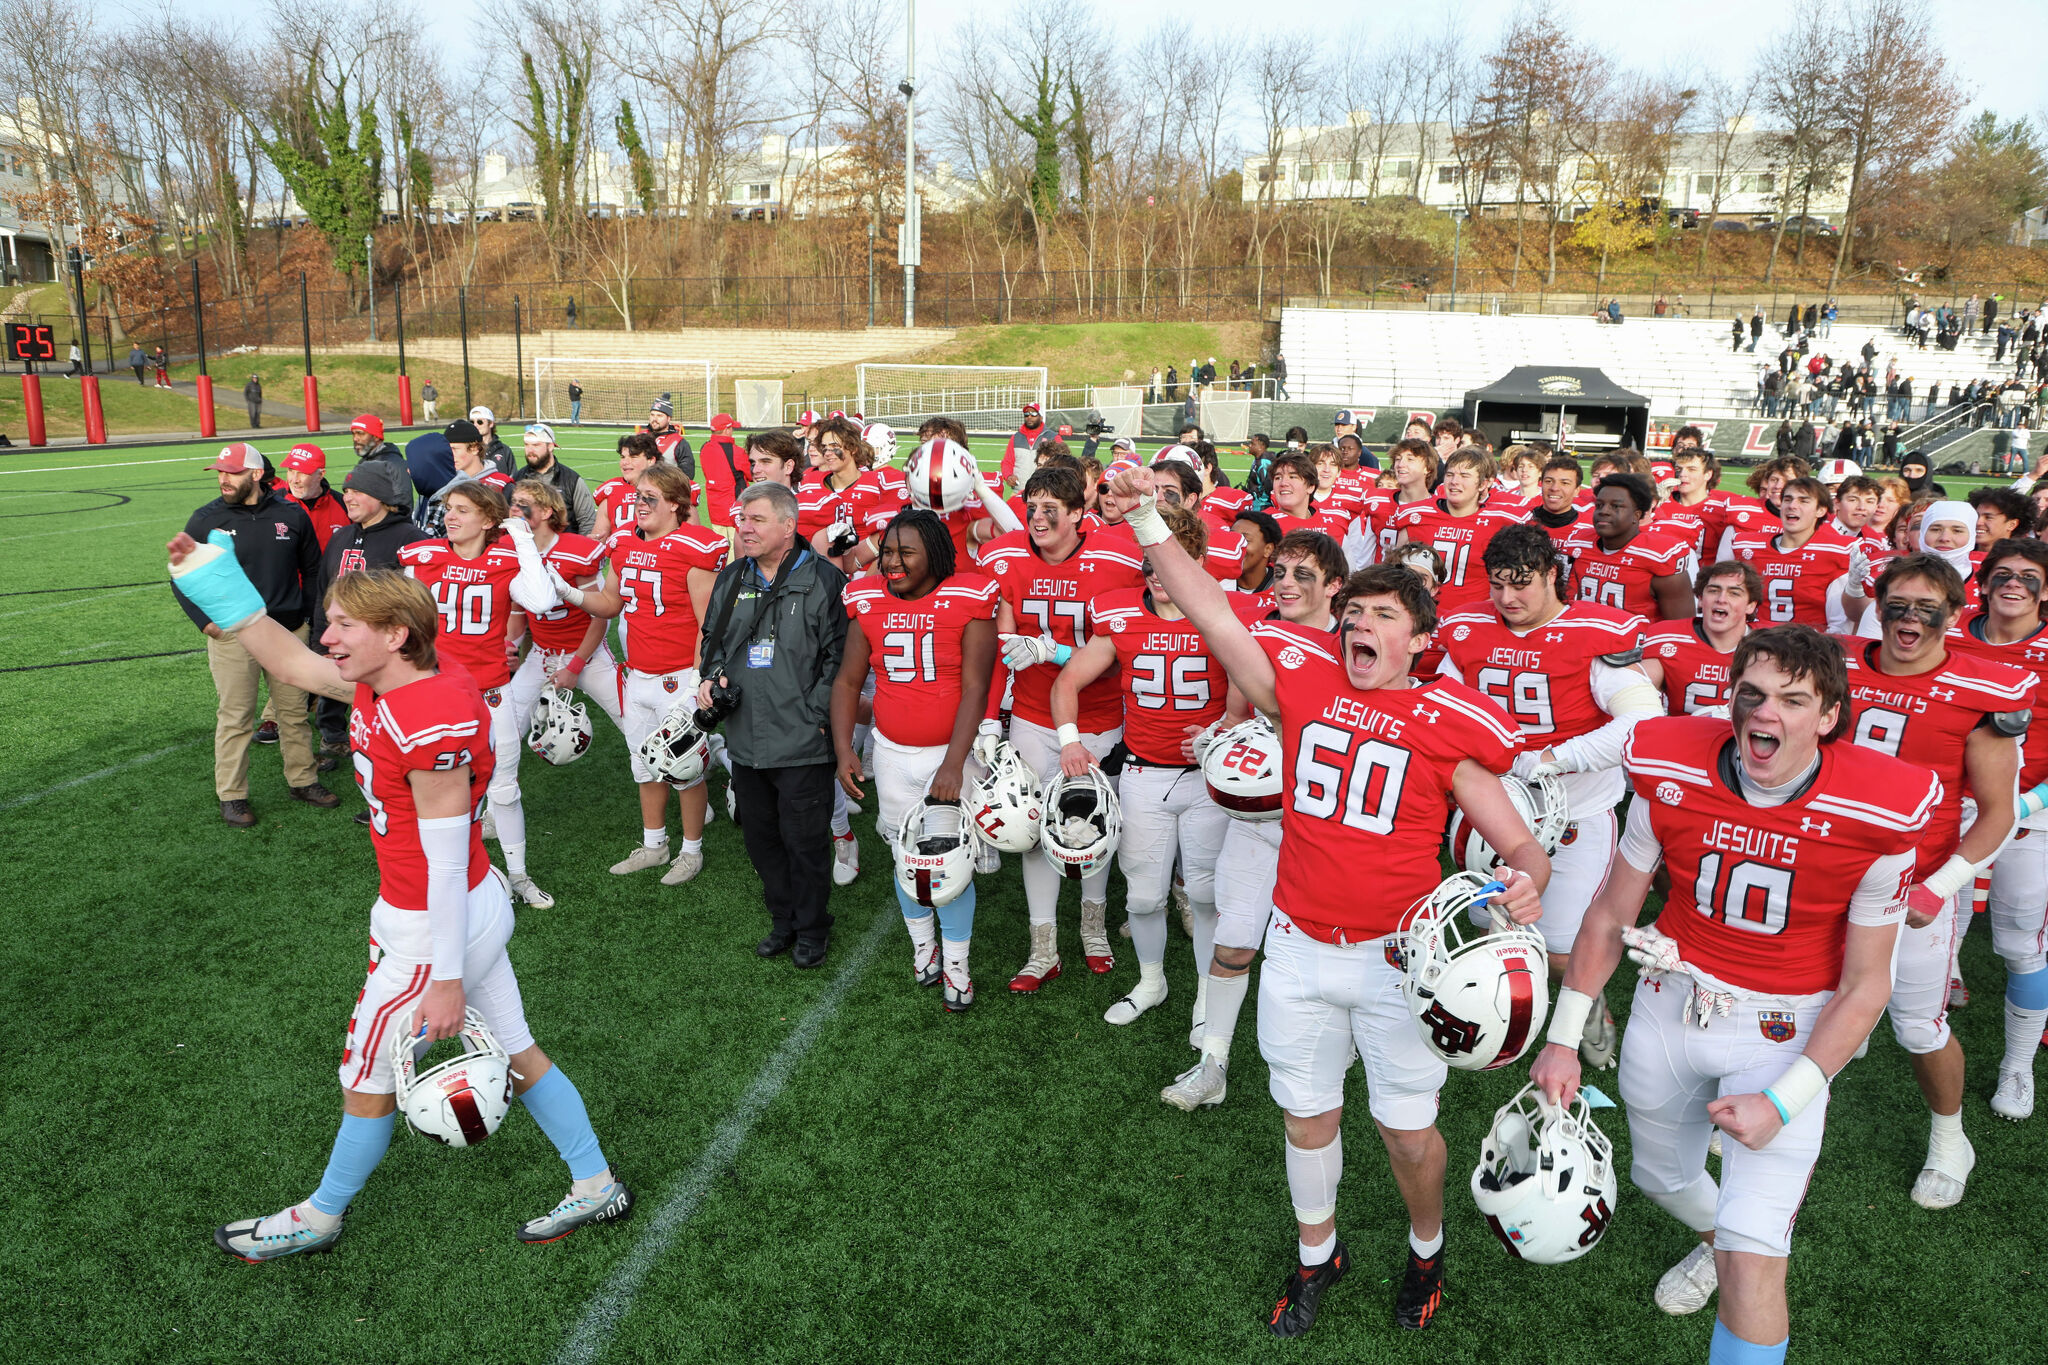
x,y
1386,358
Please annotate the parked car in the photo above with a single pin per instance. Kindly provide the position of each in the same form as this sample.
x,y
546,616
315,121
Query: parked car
x,y
1730,225
1685,218
1811,226
522,211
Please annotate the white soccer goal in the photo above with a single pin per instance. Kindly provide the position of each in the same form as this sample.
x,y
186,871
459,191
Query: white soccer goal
x,y
1225,415
619,392
1122,408
891,393
757,403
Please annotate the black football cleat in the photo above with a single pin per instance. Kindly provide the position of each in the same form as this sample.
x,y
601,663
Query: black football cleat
x,y
1302,1295
1422,1291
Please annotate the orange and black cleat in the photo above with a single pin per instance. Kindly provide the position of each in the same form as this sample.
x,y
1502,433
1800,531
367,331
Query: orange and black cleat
x,y
1302,1295
1422,1291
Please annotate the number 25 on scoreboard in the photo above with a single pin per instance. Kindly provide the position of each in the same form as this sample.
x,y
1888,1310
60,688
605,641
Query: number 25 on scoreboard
x,y
31,341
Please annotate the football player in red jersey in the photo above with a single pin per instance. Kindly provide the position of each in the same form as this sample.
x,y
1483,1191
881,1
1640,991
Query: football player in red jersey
x,y
661,570
928,635
2014,582
422,754
1697,512
485,576
1688,660
1790,853
1048,574
1373,764
614,498
844,466
1310,570
1856,500
1812,577
1171,686
777,458
569,649
1957,715
1619,562
1294,507
1942,528
979,522
1568,672
1560,512
1181,486
1459,524
1413,464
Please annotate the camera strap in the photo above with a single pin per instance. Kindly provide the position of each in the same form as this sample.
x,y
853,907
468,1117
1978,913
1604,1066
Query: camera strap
x,y
716,634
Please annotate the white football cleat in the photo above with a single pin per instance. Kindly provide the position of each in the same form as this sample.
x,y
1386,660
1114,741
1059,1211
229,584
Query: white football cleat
x,y
1095,937
1941,1187
1958,993
609,1205
685,866
1714,1143
1150,991
529,894
959,993
924,963
2015,1096
845,859
642,858
1601,1043
1201,1086
1686,1287
284,1233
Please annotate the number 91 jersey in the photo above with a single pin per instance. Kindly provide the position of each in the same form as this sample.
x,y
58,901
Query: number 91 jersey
x,y
915,651
436,724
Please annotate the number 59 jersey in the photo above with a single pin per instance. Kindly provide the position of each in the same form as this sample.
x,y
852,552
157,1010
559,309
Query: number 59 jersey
x,y
1366,782
915,650
436,724
1760,895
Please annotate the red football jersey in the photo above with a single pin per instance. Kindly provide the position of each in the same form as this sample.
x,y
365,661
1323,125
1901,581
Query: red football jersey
x,y
1389,528
816,508
1695,673
1795,581
435,724
1170,681
2030,654
1053,599
659,624
1342,499
1926,718
916,649
1543,677
1759,895
1563,536
855,503
475,600
1699,524
619,498
1225,556
1462,542
576,558
1622,578
1222,505
1366,780
1332,524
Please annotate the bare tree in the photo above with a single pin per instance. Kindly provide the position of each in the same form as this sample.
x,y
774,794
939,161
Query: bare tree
x,y
1285,76
1725,117
1801,74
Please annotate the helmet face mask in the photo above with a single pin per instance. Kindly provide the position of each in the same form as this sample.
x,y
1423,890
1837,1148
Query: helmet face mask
x,y
678,751
1543,808
1479,1002
1083,823
1241,767
560,731
1545,1180
458,1102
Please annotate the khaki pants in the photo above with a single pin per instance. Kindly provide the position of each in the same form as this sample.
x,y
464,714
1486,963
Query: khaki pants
x,y
237,679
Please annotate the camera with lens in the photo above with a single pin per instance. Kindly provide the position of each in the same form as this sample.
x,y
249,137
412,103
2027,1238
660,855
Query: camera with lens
x,y
725,699
1096,427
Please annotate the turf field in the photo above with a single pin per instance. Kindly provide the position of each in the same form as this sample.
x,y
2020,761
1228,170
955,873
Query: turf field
x,y
830,1168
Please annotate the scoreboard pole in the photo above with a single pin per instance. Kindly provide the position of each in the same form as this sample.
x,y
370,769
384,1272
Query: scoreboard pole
x,y
205,380
88,383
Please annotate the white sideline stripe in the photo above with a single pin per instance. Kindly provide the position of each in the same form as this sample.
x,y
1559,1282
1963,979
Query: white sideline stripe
x,y
76,601
608,1307
107,464
80,781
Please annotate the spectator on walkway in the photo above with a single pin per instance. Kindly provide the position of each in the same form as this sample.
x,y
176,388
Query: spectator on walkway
x,y
1970,313
429,396
575,404
137,361
274,542
252,398
163,368
1827,318
1279,375
1172,384
1152,393
1738,337
1614,311
77,362
572,311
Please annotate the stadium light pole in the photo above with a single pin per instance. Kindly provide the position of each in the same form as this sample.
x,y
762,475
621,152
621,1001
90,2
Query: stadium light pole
x,y
370,280
311,385
907,246
88,383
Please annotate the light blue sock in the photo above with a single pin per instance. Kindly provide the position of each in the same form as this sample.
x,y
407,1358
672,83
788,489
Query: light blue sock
x,y
956,919
358,1147
2028,992
557,1106
1729,1349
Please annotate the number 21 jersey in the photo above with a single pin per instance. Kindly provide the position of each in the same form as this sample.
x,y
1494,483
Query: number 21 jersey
x,y
915,651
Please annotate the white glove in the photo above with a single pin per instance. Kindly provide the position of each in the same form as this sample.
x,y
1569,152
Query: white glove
x,y
988,740
517,528
1530,766
564,589
1859,567
1023,651
1654,952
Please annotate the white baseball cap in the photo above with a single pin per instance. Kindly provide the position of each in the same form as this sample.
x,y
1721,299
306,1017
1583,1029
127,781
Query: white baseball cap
x,y
480,413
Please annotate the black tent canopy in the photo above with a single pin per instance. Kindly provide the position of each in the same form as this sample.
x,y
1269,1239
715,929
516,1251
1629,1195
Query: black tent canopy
x,y
1565,406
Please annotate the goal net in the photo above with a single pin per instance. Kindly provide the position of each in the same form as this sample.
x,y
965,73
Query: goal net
x,y
1225,415
1122,408
757,403
619,392
980,395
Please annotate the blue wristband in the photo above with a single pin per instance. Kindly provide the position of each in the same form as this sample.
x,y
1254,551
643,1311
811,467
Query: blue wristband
x,y
1778,1105
219,587
1062,653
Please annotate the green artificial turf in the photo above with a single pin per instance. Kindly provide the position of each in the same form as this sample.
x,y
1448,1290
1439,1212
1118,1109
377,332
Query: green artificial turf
x,y
997,1186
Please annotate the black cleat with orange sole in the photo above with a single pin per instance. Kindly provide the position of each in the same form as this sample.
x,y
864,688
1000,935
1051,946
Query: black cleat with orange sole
x,y
1302,1295
1422,1291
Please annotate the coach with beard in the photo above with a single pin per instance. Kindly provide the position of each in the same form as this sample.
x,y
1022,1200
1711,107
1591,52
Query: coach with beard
x,y
776,626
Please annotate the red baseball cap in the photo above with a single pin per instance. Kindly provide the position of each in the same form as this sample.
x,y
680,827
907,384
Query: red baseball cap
x,y
239,458
1031,407
369,424
723,422
807,419
306,458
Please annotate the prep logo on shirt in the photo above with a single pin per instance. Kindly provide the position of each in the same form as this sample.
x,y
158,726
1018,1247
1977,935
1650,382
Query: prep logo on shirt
x,y
1670,793
1292,657
284,531
1462,633
1668,649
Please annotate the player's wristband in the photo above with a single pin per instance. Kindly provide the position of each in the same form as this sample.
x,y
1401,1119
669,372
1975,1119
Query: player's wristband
x,y
1568,1018
572,666
1802,1084
1069,734
1062,653
2033,802
1951,877
1146,524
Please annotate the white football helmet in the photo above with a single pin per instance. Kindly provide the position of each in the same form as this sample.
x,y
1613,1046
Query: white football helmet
x,y
935,851
1545,1179
1479,1002
1082,823
881,438
1242,767
678,751
560,730
1006,803
1179,453
942,476
1832,472
461,1101
1543,808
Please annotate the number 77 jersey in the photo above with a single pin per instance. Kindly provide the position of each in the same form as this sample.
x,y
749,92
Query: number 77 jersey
x,y
1052,599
